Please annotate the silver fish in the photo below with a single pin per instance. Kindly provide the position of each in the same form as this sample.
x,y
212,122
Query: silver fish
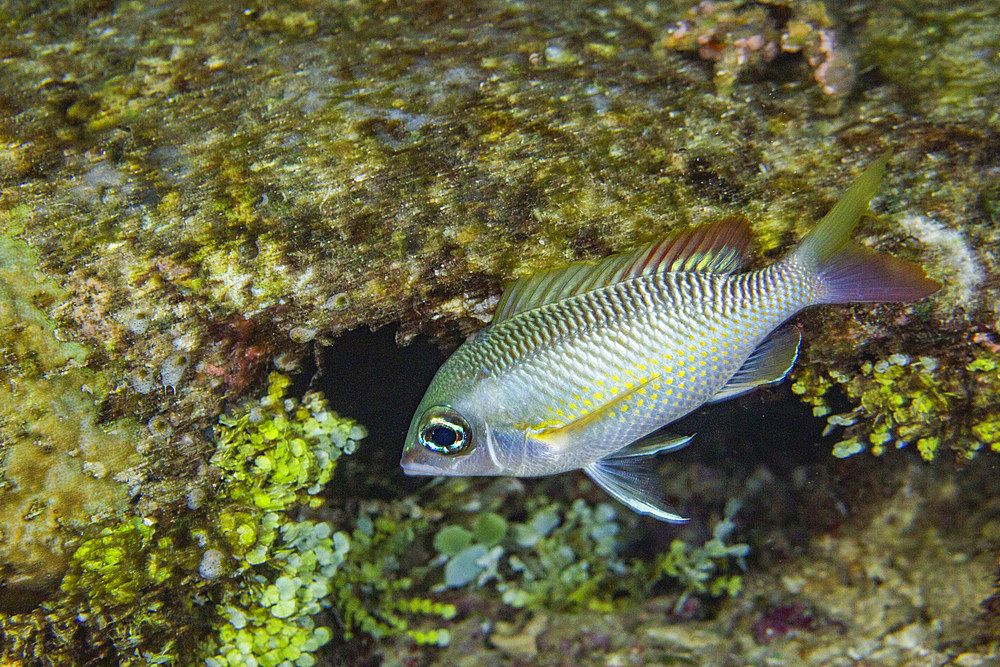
x,y
582,363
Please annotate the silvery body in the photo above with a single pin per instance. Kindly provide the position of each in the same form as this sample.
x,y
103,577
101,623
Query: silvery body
x,y
583,363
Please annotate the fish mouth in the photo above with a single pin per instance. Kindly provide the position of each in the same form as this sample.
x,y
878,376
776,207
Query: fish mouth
x,y
412,469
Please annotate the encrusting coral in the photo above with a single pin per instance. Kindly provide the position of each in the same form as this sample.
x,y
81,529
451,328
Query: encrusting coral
x,y
738,36
60,468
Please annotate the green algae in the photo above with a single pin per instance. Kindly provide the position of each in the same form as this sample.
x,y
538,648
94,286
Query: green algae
x,y
274,457
569,557
234,578
706,569
373,591
271,622
901,401
558,558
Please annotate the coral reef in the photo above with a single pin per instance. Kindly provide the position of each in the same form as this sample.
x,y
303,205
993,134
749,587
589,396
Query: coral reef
x,y
739,36
192,194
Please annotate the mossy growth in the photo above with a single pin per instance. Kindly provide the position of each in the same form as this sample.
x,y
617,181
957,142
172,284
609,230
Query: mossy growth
x,y
233,578
930,403
126,582
131,596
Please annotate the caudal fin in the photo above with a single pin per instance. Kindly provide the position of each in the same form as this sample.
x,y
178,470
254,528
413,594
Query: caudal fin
x,y
851,272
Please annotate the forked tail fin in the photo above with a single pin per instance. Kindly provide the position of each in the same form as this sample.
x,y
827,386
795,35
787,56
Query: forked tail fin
x,y
851,272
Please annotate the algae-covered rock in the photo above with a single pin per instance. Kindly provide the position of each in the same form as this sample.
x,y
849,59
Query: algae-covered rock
x,y
233,576
60,467
226,187
943,57
211,188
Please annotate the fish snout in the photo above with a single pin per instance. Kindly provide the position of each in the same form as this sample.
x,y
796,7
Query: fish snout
x,y
413,467
417,460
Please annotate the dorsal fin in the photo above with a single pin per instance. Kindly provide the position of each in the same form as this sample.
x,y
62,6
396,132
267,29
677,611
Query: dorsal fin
x,y
718,247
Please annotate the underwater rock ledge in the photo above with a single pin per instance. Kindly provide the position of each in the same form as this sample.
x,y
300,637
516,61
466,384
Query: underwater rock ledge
x,y
195,194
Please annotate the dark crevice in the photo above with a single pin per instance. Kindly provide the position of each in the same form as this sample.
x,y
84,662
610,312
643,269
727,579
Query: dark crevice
x,y
769,427
367,376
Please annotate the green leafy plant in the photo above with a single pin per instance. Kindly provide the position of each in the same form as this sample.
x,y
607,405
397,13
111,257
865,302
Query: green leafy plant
x,y
705,569
557,558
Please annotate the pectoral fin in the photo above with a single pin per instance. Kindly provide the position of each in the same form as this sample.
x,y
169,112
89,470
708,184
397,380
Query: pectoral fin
x,y
770,362
651,445
632,480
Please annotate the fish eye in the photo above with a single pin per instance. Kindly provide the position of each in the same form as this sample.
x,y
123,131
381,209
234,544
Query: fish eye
x,y
446,432
444,437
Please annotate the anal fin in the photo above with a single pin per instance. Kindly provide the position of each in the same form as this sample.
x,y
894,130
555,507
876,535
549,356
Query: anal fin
x,y
633,481
770,362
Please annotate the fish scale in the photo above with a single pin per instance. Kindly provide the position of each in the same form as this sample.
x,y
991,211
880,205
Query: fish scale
x,y
583,363
633,344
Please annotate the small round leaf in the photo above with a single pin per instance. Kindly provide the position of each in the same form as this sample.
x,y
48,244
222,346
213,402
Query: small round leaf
x,y
452,539
489,528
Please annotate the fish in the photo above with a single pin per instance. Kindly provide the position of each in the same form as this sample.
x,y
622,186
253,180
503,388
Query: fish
x,y
583,365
